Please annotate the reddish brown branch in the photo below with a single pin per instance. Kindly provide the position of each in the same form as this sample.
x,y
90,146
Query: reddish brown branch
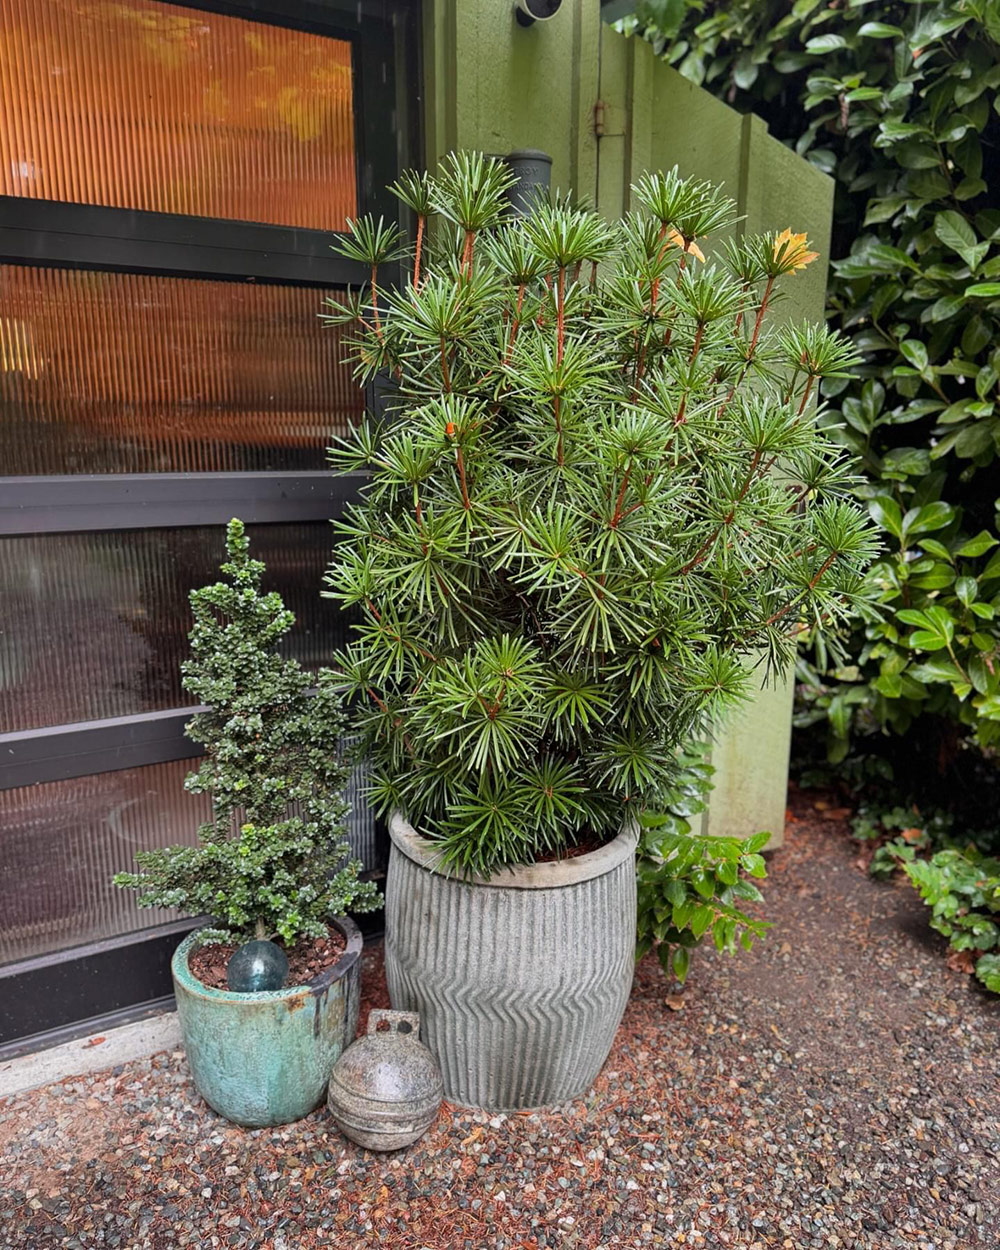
x,y
621,497
561,316
421,220
813,583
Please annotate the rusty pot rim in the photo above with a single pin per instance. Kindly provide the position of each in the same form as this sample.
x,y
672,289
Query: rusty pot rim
x,y
548,876
185,978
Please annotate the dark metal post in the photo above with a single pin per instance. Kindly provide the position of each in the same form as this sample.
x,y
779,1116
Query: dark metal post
x,y
533,170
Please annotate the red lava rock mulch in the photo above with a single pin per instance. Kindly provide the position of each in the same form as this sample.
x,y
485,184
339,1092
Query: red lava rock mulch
x,y
306,960
835,1089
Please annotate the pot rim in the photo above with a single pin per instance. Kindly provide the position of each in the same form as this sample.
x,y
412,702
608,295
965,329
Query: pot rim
x,y
185,978
550,876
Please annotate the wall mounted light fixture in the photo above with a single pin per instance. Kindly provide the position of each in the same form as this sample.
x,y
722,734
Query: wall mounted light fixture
x,y
531,11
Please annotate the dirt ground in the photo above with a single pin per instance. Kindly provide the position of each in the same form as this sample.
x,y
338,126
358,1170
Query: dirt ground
x,y
837,1087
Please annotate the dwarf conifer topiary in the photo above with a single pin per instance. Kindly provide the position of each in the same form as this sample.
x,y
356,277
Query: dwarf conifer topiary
x,y
273,860
598,488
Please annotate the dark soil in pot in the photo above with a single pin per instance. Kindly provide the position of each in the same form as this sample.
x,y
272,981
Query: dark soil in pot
x,y
306,960
587,843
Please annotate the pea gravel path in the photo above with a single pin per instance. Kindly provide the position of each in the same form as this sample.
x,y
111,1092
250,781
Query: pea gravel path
x,y
836,1088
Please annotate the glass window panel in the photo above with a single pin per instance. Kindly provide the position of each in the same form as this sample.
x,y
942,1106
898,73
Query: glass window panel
x,y
139,373
154,106
95,625
60,844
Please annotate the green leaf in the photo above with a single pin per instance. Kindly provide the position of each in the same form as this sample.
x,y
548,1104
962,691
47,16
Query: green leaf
x,y
932,516
982,542
885,512
754,864
982,290
988,971
938,632
667,16
681,963
826,43
880,30
915,352
935,548
978,333
955,232
728,873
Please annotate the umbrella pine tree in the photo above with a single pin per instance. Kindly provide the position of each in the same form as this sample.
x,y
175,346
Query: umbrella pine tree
x,y
598,488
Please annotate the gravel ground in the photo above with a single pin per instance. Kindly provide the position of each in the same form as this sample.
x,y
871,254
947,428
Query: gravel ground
x,y
837,1087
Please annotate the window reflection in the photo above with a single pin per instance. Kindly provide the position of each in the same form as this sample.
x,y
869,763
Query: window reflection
x,y
154,106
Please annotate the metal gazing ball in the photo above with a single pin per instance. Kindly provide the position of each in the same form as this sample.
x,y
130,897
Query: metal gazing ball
x,y
256,967
386,1089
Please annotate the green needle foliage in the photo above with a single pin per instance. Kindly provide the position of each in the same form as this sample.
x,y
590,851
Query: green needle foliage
x,y
273,860
600,486
899,100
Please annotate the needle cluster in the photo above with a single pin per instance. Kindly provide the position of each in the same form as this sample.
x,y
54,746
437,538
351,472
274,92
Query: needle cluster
x,y
599,487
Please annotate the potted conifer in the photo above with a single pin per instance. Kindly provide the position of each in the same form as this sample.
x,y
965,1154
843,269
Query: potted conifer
x,y
598,489
272,862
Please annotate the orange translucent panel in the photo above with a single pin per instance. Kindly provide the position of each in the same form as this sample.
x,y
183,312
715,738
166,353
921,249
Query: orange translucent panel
x,y
139,373
153,106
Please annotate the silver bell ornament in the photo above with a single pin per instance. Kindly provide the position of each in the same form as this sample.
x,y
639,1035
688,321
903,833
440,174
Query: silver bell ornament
x,y
386,1089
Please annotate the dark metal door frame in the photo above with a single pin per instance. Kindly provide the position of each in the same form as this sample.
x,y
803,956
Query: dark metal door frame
x,y
75,991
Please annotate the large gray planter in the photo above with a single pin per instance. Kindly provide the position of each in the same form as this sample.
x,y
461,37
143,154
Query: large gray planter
x,y
520,980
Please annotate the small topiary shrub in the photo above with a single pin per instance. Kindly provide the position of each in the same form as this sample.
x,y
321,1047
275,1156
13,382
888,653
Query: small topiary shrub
x,y
273,860
599,487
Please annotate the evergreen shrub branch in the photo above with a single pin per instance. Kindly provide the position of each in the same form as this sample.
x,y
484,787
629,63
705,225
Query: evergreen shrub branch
x,y
273,860
599,488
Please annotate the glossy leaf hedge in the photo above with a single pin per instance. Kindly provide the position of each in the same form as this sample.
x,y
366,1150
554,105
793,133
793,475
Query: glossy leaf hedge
x,y
899,102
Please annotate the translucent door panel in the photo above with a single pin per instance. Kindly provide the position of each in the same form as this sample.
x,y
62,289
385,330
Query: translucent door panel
x,y
95,625
174,110
61,843
140,373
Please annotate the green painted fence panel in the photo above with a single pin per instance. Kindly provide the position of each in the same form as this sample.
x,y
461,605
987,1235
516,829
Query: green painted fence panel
x,y
607,110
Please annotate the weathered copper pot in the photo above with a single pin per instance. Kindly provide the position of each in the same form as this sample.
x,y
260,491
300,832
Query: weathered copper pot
x,y
386,1089
265,1058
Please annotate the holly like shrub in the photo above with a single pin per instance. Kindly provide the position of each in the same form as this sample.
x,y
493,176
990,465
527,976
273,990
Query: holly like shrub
x,y
898,100
598,487
273,860
693,887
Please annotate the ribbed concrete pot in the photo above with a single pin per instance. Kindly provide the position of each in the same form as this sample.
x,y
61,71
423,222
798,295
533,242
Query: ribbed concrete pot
x,y
263,1059
520,980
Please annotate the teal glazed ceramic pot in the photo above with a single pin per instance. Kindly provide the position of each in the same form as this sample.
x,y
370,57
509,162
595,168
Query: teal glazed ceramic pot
x,y
263,1059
